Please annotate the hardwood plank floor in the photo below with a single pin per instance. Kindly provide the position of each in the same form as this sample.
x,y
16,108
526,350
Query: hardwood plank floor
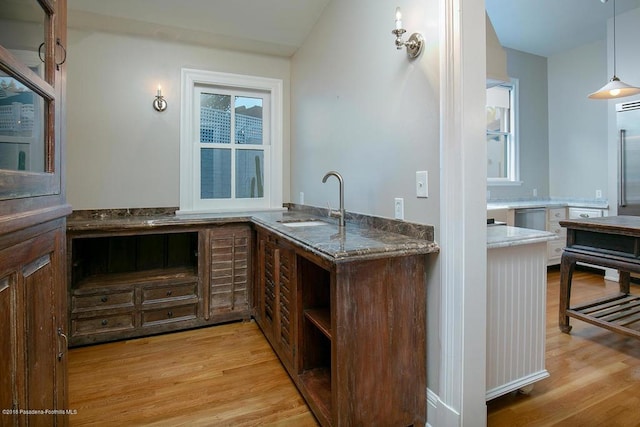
x,y
594,373
229,376
225,375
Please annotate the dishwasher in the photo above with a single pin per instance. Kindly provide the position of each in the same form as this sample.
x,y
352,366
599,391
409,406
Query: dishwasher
x,y
535,218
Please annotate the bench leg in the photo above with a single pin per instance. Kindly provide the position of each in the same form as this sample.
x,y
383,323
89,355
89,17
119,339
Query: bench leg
x,y
567,265
623,281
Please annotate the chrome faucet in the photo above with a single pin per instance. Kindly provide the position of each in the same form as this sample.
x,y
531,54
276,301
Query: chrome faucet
x,y
340,214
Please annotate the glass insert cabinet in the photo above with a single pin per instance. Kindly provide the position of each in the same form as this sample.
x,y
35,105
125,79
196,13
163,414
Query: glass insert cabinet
x,y
30,54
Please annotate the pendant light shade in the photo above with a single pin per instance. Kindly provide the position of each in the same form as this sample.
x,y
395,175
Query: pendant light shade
x,y
615,88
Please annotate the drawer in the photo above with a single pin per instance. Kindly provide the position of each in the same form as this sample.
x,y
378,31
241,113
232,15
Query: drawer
x,y
557,214
170,314
93,325
157,293
554,248
580,213
102,300
557,229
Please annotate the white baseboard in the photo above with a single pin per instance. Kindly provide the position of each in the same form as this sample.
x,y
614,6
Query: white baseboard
x,y
440,414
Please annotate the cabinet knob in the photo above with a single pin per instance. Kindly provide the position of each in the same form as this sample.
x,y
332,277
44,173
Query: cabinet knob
x,y
169,293
104,299
170,314
104,322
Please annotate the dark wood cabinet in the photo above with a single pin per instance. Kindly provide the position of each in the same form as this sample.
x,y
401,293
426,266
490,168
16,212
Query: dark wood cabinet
x,y
229,272
277,295
351,332
33,315
133,282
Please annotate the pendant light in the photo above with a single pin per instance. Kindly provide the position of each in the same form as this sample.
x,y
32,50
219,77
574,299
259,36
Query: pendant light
x,y
615,88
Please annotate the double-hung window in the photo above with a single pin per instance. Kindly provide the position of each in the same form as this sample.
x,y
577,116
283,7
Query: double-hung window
x,y
502,141
231,142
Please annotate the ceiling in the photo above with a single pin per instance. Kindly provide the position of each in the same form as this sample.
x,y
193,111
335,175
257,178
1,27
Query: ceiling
x,y
275,27
279,27
546,27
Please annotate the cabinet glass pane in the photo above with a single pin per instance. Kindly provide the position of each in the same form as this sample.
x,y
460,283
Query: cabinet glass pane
x,y
215,173
22,138
497,152
22,25
215,118
249,174
248,120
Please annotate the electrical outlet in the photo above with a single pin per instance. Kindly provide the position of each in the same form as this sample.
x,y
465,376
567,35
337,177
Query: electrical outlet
x,y
535,192
422,184
598,194
302,197
399,208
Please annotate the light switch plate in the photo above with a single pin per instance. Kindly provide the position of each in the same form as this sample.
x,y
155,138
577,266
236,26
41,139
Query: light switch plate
x,y
422,184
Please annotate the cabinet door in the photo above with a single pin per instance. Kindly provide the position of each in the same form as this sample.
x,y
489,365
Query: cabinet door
x,y
285,325
32,55
269,258
230,266
275,311
32,298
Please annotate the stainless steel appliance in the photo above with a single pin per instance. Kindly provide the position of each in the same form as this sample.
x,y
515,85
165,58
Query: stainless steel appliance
x,y
628,122
535,218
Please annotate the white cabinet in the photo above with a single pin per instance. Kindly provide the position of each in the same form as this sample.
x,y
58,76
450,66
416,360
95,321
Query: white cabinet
x,y
516,317
583,213
554,247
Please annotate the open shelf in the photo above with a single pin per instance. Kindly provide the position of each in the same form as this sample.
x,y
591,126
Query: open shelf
x,y
113,260
321,318
168,275
317,383
616,313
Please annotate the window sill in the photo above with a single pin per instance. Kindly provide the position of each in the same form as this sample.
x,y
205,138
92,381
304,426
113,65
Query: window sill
x,y
504,183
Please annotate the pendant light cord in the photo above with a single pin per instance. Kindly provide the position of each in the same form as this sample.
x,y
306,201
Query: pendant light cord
x,y
614,38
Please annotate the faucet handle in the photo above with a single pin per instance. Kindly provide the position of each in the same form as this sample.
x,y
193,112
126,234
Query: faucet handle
x,y
332,213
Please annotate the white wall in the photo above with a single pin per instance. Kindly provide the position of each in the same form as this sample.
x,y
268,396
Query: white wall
x,y
120,152
361,107
577,124
531,72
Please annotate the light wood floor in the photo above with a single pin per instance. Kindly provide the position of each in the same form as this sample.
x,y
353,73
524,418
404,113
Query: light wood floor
x,y
229,376
219,376
594,374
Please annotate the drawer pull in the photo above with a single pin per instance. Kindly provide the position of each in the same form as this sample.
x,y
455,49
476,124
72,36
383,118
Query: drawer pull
x,y
169,293
584,215
170,314
104,322
104,299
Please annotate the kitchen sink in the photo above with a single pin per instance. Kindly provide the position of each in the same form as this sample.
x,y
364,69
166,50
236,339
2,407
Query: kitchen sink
x,y
303,223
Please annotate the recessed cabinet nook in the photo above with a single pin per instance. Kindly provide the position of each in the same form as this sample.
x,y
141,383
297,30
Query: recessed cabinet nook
x,y
33,313
345,311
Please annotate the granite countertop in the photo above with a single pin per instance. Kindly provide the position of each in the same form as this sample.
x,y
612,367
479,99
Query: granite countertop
x,y
547,203
328,241
501,236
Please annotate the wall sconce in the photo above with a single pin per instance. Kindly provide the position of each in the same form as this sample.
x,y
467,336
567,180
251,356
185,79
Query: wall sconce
x,y
414,44
159,103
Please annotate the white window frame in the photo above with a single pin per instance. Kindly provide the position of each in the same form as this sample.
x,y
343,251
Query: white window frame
x,y
190,200
513,168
